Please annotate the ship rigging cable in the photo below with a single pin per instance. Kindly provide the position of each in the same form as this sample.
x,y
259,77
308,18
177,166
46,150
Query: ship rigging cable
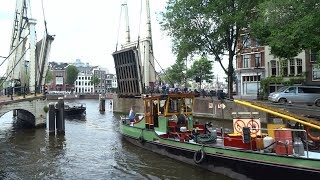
x,y
14,67
6,58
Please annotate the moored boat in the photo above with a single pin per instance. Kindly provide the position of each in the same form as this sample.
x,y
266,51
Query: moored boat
x,y
167,127
74,109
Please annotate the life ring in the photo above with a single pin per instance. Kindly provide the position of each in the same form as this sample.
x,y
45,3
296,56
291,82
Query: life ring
x,y
314,138
202,156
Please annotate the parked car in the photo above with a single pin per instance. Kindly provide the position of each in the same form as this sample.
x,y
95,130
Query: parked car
x,y
309,95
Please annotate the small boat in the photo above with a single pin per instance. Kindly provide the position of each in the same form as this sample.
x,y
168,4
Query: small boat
x,y
74,109
167,127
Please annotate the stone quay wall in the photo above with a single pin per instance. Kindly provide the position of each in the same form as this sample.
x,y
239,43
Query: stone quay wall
x,y
201,108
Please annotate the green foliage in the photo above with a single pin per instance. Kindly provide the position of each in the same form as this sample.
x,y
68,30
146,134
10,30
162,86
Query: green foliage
x,y
288,26
175,73
207,28
95,80
265,83
72,74
48,77
201,69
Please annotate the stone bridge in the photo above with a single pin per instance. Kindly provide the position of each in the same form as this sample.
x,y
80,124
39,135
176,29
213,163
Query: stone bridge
x,y
30,109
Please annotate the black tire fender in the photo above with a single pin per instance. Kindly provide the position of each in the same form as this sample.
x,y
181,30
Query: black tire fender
x,y
196,155
141,139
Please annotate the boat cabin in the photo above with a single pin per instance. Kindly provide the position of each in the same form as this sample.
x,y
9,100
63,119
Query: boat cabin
x,y
165,112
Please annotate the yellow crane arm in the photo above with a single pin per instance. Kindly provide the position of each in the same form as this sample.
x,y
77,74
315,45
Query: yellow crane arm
x,y
264,109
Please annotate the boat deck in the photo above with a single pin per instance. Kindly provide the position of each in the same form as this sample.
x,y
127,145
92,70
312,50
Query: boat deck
x,y
220,142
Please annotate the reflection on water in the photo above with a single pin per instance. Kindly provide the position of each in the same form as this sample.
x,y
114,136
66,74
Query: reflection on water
x,y
91,148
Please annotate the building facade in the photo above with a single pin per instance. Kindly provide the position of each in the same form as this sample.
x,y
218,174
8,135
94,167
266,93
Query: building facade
x,y
250,66
255,62
83,83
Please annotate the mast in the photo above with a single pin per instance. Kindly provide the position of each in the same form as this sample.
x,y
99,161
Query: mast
x,y
17,46
126,16
149,68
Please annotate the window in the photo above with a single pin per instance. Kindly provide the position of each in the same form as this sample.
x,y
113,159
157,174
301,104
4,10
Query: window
x,y
315,73
254,78
292,66
284,68
256,43
273,68
314,56
299,66
245,61
291,90
246,41
258,60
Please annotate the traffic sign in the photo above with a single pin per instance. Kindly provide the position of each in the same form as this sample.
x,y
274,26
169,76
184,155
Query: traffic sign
x,y
210,105
221,106
253,124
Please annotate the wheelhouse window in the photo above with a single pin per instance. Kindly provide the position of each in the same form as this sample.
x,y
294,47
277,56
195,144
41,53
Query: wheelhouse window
x,y
187,105
148,107
176,105
173,105
162,106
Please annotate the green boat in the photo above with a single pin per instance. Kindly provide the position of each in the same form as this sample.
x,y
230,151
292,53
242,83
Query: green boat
x,y
167,127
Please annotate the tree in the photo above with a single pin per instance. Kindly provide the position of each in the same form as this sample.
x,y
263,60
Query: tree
x,y
48,76
288,26
201,69
94,80
175,74
72,74
208,28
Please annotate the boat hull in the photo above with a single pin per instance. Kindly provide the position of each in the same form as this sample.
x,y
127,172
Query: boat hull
x,y
229,165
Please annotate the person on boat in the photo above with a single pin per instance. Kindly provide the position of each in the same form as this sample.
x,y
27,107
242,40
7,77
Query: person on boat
x,y
182,118
131,114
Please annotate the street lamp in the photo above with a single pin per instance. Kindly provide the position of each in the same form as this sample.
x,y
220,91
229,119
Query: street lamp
x,y
257,71
26,65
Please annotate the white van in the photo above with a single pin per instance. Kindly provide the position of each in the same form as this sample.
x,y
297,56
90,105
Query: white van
x,y
309,95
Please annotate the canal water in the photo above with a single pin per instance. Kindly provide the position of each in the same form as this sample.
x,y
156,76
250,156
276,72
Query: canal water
x,y
92,148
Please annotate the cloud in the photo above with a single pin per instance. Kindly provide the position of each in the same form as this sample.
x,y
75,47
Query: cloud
x,y
87,29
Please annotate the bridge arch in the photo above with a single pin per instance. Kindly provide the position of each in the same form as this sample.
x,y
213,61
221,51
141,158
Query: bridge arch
x,y
30,110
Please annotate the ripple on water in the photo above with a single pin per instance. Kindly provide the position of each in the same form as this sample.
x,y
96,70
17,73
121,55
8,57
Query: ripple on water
x,y
91,148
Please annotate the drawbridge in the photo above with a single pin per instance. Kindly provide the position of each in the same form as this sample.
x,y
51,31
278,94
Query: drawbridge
x,y
310,122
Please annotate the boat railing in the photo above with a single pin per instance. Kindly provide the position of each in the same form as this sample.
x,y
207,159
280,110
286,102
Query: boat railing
x,y
281,141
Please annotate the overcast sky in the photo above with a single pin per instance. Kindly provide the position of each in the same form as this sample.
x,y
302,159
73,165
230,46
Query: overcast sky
x,y
88,29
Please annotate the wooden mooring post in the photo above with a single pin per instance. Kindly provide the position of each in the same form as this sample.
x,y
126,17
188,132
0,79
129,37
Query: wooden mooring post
x,y
60,121
52,119
56,118
102,103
